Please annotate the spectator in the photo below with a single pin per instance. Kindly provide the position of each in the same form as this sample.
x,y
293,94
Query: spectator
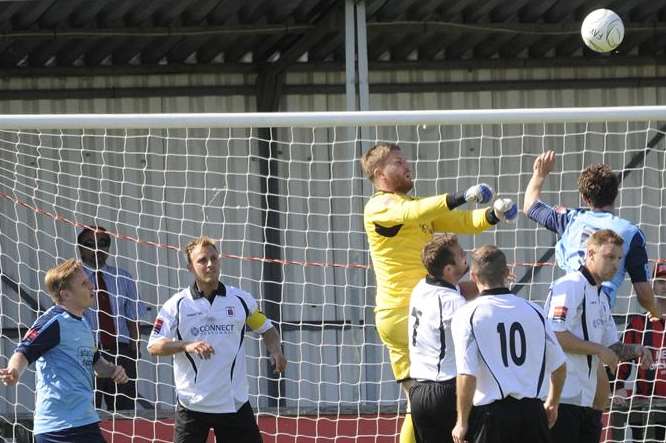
x,y
115,319
650,386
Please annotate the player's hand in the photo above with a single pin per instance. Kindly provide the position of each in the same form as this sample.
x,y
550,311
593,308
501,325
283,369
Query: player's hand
x,y
279,362
551,412
609,358
201,349
505,209
645,360
118,375
459,432
544,164
620,397
481,193
9,376
655,314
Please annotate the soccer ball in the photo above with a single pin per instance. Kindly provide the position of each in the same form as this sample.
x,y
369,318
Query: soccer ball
x,y
602,30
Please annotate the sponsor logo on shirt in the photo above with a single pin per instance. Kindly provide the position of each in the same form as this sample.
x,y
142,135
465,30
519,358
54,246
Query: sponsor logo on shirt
x,y
86,355
660,360
560,313
212,329
31,335
560,209
157,327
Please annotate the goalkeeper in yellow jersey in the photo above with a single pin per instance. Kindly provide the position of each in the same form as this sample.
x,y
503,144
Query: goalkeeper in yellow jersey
x,y
398,227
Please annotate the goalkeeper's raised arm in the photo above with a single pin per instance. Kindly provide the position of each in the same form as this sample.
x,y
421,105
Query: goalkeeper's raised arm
x,y
398,227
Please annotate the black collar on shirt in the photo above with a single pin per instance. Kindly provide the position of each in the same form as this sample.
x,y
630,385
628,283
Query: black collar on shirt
x,y
221,291
61,308
439,282
586,273
496,291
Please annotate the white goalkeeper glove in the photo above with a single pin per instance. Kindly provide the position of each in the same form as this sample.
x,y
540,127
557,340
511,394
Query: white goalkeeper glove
x,y
481,193
505,209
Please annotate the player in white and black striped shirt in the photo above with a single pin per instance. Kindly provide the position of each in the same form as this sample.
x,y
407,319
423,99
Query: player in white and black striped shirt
x,y
431,354
505,355
580,315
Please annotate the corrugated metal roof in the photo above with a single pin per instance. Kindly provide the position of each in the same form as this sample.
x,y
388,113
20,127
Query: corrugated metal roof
x,y
260,34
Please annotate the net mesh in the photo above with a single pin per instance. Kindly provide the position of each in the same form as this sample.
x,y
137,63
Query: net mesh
x,y
287,207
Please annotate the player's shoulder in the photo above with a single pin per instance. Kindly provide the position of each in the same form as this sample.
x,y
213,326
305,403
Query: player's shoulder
x,y
468,308
53,314
243,295
573,278
431,289
380,201
172,303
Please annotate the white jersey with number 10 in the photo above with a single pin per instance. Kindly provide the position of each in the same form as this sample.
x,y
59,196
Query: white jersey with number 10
x,y
506,343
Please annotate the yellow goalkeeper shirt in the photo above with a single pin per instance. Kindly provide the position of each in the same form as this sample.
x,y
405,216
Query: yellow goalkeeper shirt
x,y
398,227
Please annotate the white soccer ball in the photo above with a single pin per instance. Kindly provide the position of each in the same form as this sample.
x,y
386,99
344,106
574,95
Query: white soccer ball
x,y
602,30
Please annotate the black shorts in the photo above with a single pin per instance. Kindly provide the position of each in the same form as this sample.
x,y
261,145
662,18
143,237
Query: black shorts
x,y
81,434
433,410
509,421
576,424
234,427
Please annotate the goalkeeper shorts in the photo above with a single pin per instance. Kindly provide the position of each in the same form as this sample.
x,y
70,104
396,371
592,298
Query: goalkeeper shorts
x,y
392,327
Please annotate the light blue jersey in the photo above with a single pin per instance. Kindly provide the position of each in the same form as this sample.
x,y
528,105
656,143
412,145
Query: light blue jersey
x,y
575,226
63,347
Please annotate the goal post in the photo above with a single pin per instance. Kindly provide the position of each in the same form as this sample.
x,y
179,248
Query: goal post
x,y
283,193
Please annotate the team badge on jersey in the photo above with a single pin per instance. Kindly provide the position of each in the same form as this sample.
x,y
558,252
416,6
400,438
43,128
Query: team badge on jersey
x,y
31,335
560,313
230,311
157,327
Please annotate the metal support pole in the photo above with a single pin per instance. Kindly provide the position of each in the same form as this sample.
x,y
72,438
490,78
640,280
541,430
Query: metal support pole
x,y
350,55
362,56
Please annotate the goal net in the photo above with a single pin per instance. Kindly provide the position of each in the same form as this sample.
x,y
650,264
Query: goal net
x,y
284,195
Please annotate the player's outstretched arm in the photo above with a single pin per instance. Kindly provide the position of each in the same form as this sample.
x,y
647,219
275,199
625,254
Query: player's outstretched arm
x,y
632,351
552,403
574,345
106,369
543,165
12,373
165,346
272,341
645,296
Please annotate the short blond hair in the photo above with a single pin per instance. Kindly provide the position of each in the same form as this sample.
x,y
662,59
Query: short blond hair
x,y
375,157
204,241
602,237
59,277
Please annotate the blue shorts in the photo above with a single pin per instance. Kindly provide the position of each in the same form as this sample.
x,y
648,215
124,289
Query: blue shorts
x,y
82,434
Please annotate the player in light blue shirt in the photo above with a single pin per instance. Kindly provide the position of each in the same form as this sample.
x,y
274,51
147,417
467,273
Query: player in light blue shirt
x,y
598,186
63,347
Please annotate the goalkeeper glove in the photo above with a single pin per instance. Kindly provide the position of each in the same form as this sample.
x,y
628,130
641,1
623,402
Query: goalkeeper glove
x,y
481,193
505,209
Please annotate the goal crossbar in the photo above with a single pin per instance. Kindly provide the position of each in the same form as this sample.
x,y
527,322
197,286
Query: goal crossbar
x,y
332,119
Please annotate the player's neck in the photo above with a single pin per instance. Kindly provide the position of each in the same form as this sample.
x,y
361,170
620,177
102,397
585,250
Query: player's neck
x,y
77,311
206,288
488,288
591,274
609,208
